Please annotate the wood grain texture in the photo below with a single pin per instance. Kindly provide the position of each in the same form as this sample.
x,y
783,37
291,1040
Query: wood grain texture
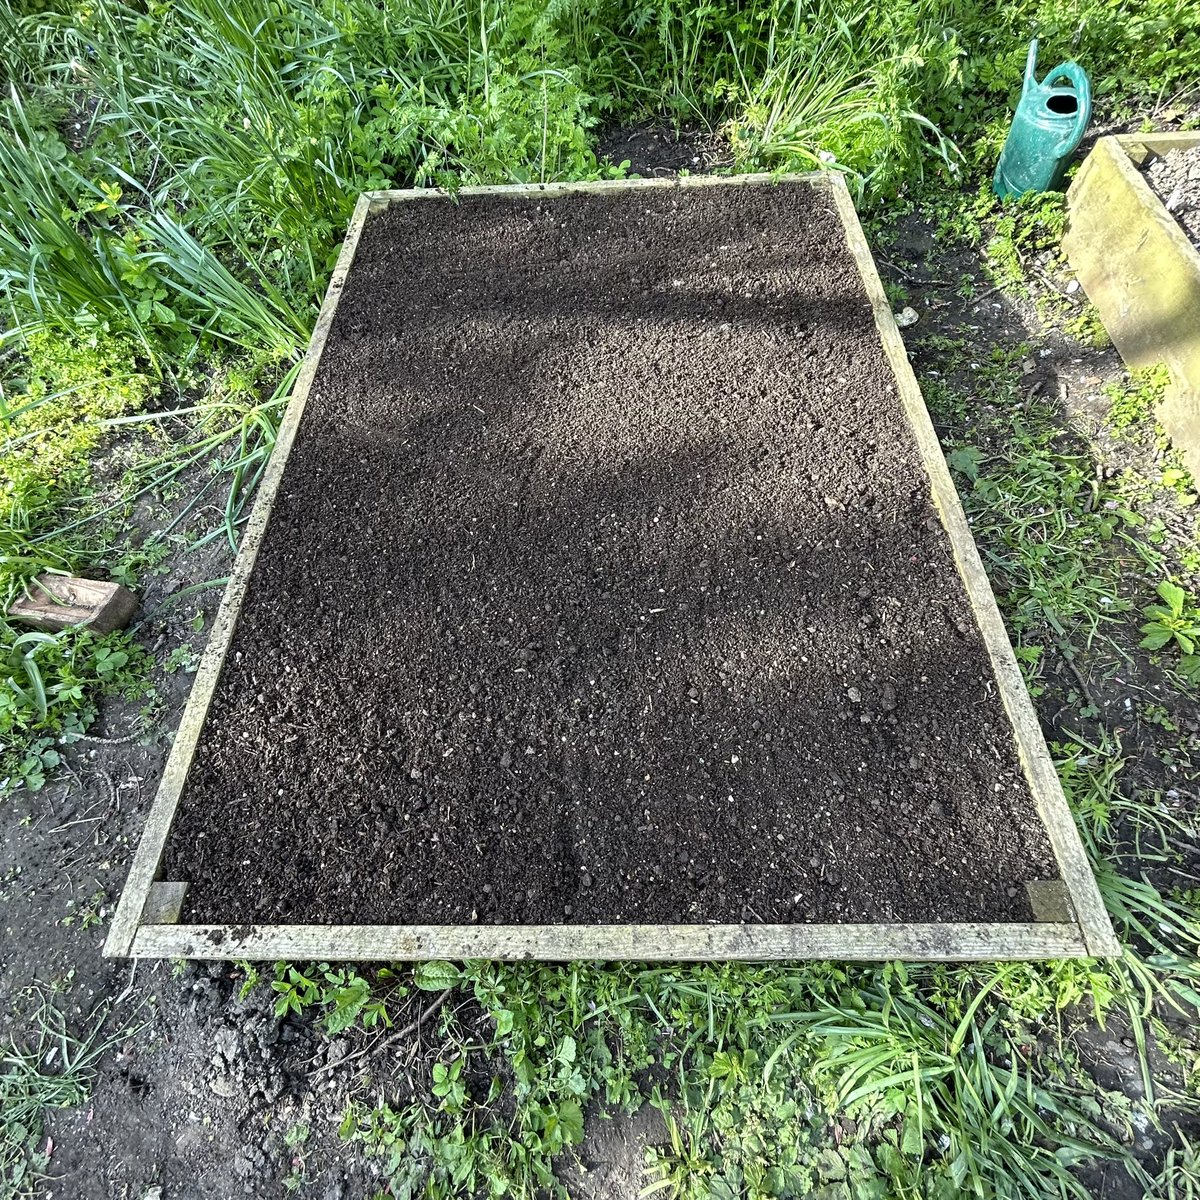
x,y
1091,935
637,943
816,179
65,602
1139,269
1140,145
164,904
1035,758
162,812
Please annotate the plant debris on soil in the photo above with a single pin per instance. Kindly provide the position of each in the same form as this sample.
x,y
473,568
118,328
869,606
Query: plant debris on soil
x,y
1175,176
604,584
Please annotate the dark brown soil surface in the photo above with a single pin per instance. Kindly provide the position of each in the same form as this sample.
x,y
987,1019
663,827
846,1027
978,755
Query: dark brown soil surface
x,y
655,149
604,585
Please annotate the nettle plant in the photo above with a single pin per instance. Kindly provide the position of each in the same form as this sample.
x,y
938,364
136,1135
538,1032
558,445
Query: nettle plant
x,y
1176,620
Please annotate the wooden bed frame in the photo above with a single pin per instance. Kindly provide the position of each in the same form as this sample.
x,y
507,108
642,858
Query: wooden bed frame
x,y
1071,921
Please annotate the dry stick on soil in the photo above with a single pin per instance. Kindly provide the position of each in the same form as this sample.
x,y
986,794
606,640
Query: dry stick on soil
x,y
1068,658
104,741
67,769
916,280
391,1039
72,824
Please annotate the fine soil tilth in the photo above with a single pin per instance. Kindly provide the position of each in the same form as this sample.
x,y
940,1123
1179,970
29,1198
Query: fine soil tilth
x,y
604,585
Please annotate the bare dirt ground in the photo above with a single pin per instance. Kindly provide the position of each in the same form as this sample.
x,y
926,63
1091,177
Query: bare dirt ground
x,y
208,1094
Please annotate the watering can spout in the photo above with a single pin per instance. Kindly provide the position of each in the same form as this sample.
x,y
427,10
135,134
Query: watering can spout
x,y
1031,64
1050,121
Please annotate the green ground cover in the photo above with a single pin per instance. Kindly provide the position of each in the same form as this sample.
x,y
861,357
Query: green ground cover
x,y
174,181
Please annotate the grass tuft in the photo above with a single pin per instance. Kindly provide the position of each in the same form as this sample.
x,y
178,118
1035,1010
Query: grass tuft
x,y
53,1071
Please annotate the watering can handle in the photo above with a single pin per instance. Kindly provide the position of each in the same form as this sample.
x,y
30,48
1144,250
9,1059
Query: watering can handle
x,y
1075,75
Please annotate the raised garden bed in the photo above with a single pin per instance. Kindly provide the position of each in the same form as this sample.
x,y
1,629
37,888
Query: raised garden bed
x,y
1142,273
608,596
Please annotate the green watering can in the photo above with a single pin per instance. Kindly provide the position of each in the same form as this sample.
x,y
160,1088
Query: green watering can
x,y
1047,126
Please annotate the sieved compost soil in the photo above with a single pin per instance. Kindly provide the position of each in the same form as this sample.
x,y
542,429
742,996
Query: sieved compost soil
x,y
603,584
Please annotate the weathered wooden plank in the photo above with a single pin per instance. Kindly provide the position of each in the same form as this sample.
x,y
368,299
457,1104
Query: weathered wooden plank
x,y
1139,146
162,812
64,601
818,179
1039,769
639,943
164,904
1139,269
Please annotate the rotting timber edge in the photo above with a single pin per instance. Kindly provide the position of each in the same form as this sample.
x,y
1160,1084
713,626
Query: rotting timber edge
x,y
143,924
1141,271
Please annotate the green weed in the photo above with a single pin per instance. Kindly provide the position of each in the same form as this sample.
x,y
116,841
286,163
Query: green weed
x,y
829,94
50,689
954,1102
342,996
1176,619
1133,406
54,404
250,979
950,1079
1021,231
54,1070
232,433
1087,328
1058,540
1180,1175
183,658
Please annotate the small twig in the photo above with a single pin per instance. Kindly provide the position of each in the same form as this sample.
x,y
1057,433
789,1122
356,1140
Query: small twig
x,y
71,738
1047,282
391,1039
916,280
1180,844
1065,651
421,1018
128,987
898,269
71,824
